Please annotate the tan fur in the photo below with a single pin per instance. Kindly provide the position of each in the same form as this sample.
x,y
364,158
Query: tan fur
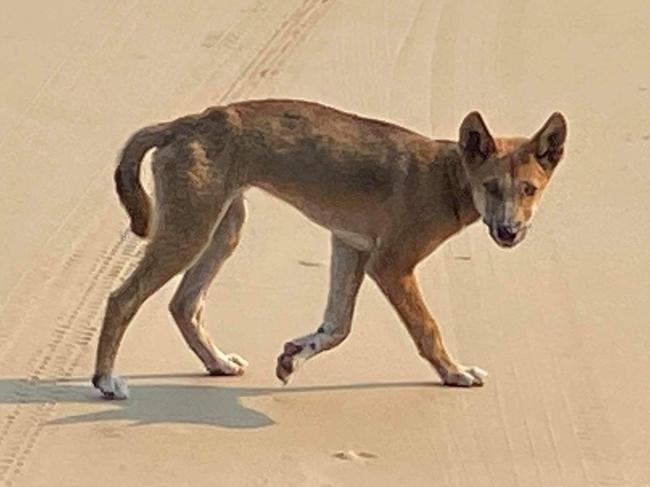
x,y
389,196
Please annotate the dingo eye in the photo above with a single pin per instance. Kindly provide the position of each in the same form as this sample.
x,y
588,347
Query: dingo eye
x,y
492,187
528,189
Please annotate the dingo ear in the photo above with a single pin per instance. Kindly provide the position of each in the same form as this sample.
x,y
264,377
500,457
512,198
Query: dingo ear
x,y
548,143
475,140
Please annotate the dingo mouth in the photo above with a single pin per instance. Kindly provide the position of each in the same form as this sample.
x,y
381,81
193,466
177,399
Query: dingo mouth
x,y
506,237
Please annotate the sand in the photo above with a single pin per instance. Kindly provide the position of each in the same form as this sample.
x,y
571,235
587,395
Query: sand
x,y
560,322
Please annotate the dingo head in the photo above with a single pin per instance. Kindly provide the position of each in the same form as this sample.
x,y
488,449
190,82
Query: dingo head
x,y
508,175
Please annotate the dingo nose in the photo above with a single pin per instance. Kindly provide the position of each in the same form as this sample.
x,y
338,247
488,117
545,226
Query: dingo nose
x,y
506,234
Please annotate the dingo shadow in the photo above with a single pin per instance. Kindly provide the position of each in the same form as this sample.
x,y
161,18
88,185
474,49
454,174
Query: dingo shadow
x,y
214,404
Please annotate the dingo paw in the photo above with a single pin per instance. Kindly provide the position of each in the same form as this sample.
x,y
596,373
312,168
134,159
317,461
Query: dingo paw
x,y
111,387
231,364
465,377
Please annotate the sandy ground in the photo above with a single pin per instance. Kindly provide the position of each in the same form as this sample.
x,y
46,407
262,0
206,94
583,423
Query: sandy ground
x,y
560,323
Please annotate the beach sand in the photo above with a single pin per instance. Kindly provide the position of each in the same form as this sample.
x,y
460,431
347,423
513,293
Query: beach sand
x,y
560,322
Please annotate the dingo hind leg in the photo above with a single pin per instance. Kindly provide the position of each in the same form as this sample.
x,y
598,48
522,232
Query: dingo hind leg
x,y
187,305
191,194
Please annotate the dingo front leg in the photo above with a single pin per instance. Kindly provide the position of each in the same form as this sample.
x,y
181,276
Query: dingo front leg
x,y
403,293
346,275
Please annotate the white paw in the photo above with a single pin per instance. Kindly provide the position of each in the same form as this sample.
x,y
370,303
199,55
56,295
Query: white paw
x,y
465,377
231,364
238,359
112,387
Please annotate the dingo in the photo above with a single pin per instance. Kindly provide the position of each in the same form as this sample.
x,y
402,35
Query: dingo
x,y
389,196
